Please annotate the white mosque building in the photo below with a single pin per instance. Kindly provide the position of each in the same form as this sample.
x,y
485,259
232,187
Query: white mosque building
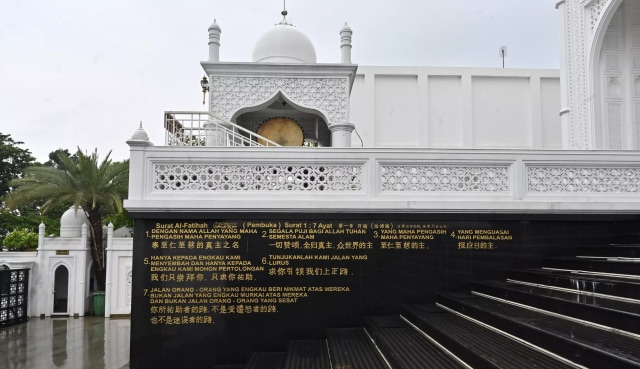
x,y
285,134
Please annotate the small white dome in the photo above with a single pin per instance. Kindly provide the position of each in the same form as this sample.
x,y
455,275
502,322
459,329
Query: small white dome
x,y
71,222
284,44
214,26
140,134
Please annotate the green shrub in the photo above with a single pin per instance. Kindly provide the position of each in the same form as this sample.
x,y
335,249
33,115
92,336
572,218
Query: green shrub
x,y
20,240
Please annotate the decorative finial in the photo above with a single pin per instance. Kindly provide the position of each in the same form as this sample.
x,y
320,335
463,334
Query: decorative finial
x,y
139,138
284,13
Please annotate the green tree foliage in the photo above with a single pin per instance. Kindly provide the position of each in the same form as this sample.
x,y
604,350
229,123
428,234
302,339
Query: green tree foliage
x,y
54,158
29,216
20,240
99,187
119,220
13,160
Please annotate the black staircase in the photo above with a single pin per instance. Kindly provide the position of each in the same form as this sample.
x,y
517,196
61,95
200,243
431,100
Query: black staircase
x,y
579,312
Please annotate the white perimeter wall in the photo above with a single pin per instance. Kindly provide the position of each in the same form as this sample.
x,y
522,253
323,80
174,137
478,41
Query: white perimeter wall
x,y
119,276
456,108
44,263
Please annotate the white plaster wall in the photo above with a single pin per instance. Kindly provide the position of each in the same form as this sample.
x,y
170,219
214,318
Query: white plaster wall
x,y
44,263
445,111
42,275
358,109
551,127
501,112
396,110
456,107
120,265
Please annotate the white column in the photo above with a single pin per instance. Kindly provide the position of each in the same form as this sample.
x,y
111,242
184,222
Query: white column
x,y
345,43
137,143
535,136
214,42
108,290
41,292
218,133
467,111
341,134
564,75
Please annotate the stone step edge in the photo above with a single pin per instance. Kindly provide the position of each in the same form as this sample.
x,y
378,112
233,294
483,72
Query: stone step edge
x,y
566,317
599,274
577,292
436,343
512,337
373,342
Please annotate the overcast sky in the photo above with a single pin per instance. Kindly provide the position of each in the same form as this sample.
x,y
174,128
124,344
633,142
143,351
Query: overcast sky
x,y
79,73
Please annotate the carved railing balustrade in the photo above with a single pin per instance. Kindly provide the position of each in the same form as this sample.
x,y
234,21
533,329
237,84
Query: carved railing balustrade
x,y
327,179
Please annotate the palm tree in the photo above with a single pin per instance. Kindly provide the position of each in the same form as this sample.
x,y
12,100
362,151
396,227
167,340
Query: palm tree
x,y
93,186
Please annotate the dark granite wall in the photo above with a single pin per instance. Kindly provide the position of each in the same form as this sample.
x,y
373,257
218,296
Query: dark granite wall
x,y
403,265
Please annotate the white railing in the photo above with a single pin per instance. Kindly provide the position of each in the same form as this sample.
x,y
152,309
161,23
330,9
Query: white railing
x,y
326,179
198,128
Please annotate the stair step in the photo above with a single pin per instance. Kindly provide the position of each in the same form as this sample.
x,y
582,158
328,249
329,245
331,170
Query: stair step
x,y
622,251
615,314
585,299
477,345
618,267
404,347
307,354
609,286
582,344
352,348
265,360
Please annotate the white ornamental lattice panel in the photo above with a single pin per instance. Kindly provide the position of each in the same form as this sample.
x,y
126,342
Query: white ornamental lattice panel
x,y
330,96
233,178
434,178
583,180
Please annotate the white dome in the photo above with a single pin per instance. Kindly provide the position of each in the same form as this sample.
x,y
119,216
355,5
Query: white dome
x,y
71,222
140,134
284,44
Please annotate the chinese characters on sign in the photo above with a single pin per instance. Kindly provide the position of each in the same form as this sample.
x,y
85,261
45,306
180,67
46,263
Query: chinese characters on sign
x,y
200,271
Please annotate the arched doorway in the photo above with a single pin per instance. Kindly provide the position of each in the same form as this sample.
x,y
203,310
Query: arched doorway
x,y
92,282
309,122
61,291
617,78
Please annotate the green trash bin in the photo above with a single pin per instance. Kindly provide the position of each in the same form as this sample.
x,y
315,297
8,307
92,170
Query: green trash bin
x,y
98,303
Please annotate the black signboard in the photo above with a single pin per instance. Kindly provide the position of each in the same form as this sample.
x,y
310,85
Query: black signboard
x,y
210,290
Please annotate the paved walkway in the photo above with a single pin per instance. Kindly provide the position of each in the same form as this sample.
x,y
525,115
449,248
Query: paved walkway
x,y
69,343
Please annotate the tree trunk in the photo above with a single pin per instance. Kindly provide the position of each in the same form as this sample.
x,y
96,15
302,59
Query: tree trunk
x,y
98,254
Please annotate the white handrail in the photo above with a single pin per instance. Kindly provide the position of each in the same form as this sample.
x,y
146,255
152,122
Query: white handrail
x,y
249,133
198,128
